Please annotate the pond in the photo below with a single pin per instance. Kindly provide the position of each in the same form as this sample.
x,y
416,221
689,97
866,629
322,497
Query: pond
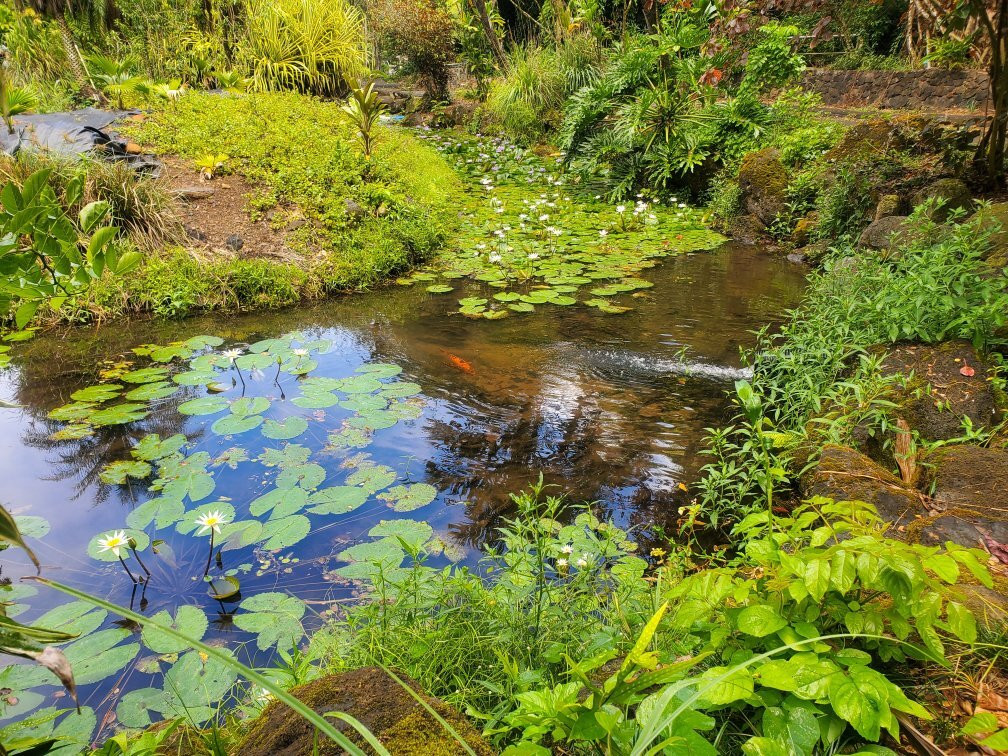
x,y
285,439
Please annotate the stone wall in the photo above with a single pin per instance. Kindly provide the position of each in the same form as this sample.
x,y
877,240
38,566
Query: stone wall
x,y
931,89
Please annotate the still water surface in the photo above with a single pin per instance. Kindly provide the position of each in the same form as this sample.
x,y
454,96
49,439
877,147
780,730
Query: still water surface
x,y
611,409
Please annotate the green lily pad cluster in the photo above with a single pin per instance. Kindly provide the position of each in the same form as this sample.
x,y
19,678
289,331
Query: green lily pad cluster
x,y
533,242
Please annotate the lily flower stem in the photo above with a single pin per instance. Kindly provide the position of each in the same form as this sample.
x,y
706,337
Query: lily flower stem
x,y
137,557
132,576
209,554
240,376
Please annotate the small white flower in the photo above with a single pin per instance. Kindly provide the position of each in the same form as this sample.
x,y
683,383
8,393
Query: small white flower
x,y
603,233
544,217
582,563
495,258
533,256
620,209
231,354
113,542
211,521
561,563
567,549
300,352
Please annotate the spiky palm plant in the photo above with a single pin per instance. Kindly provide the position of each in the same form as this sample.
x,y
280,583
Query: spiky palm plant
x,y
364,109
116,77
58,10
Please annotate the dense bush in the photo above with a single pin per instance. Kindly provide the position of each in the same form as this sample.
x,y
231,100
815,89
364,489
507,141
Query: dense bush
x,y
528,102
419,31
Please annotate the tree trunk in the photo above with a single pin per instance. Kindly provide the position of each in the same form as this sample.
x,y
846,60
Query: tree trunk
x,y
991,151
494,41
75,61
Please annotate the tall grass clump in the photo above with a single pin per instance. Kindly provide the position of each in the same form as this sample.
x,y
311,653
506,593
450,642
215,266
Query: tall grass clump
x,y
528,102
309,45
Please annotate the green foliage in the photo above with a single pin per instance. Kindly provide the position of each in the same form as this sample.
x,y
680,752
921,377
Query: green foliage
x,y
309,45
47,256
116,77
13,100
949,52
528,102
934,288
772,61
364,109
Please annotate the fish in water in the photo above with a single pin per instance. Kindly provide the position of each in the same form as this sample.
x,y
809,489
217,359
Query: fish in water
x,y
458,363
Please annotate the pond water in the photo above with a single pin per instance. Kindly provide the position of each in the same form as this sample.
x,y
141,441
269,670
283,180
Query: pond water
x,y
327,421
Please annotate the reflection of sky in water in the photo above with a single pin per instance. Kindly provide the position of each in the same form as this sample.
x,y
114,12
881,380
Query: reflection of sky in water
x,y
600,405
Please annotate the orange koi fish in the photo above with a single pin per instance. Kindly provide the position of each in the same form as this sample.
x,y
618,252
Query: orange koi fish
x,y
458,363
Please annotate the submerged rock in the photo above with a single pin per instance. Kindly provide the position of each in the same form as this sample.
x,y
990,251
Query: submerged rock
x,y
403,726
763,181
845,474
939,390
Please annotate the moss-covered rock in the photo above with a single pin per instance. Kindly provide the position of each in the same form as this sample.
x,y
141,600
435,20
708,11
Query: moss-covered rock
x,y
866,138
937,390
995,219
845,474
763,183
949,194
884,232
969,487
888,204
395,717
803,229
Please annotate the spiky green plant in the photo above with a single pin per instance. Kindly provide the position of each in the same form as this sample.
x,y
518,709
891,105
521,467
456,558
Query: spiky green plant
x,y
116,77
13,100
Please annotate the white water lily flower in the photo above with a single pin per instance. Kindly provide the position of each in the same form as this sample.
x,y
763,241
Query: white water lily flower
x,y
567,549
300,352
603,233
495,258
582,563
113,542
620,209
533,256
544,217
561,563
232,354
211,521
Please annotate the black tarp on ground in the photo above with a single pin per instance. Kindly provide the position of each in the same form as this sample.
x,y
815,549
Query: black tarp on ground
x,y
73,133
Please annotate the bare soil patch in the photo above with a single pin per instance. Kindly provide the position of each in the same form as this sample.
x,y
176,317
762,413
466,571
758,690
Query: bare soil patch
x,y
216,219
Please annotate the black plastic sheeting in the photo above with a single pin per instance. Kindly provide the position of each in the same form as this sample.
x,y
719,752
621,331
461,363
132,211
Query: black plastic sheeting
x,y
74,133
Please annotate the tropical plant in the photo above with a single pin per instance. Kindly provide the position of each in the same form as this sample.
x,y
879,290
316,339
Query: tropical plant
x,y
93,11
13,100
772,61
46,256
364,109
116,77
309,45
211,165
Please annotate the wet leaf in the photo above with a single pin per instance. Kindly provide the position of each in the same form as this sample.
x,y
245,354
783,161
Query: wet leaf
x,y
284,532
100,655
280,502
204,405
116,473
223,588
291,427
275,618
97,394
189,620
337,500
136,707
232,425
162,511
406,498
372,478
308,476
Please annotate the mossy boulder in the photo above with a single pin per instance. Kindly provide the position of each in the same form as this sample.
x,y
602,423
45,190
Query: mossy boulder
x,y
845,474
888,204
763,183
970,495
885,232
395,717
804,228
995,219
866,138
949,194
940,385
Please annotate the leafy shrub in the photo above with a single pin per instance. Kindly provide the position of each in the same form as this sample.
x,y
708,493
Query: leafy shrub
x,y
309,45
561,639
421,32
772,61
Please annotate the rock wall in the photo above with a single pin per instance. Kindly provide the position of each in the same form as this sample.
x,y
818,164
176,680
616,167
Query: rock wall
x,y
932,89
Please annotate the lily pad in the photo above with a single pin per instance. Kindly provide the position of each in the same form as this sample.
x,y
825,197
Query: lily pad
x,y
189,620
204,405
136,707
72,413
280,502
372,478
100,393
415,533
308,476
275,619
99,655
162,511
284,532
152,447
291,427
232,425
119,414
406,498
145,375
337,500
152,392
116,473
195,685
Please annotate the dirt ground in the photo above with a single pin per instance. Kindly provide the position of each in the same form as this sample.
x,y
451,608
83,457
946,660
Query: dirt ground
x,y
215,216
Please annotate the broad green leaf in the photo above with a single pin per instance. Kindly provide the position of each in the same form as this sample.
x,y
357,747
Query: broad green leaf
x,y
188,619
275,618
